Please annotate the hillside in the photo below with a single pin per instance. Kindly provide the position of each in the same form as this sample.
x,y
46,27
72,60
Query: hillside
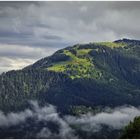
x,y
90,75
132,130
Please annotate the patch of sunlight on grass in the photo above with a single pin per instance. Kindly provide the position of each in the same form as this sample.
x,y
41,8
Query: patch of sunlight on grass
x,y
77,67
111,44
83,51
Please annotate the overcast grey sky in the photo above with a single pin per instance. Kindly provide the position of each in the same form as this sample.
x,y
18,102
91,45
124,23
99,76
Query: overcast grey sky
x,y
32,30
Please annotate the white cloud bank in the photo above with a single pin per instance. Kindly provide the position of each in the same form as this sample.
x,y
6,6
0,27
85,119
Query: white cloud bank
x,y
115,119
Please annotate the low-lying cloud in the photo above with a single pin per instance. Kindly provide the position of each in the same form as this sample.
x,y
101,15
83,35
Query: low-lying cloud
x,y
47,113
115,119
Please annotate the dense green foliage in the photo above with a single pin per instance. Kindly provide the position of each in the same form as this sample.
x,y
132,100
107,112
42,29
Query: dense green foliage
x,y
16,87
95,74
78,110
132,131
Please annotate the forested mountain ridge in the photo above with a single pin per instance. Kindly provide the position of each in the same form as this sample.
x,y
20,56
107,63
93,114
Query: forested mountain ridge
x,y
94,74
132,130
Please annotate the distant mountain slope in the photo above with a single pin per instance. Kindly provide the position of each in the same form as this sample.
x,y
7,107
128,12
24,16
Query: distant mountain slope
x,y
94,74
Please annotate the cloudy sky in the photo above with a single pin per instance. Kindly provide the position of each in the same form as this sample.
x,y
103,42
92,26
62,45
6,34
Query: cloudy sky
x,y
32,30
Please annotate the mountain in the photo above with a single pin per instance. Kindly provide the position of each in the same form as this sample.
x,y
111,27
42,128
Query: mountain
x,y
85,75
132,130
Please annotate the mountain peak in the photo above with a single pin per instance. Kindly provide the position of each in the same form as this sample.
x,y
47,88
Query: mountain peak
x,y
125,40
